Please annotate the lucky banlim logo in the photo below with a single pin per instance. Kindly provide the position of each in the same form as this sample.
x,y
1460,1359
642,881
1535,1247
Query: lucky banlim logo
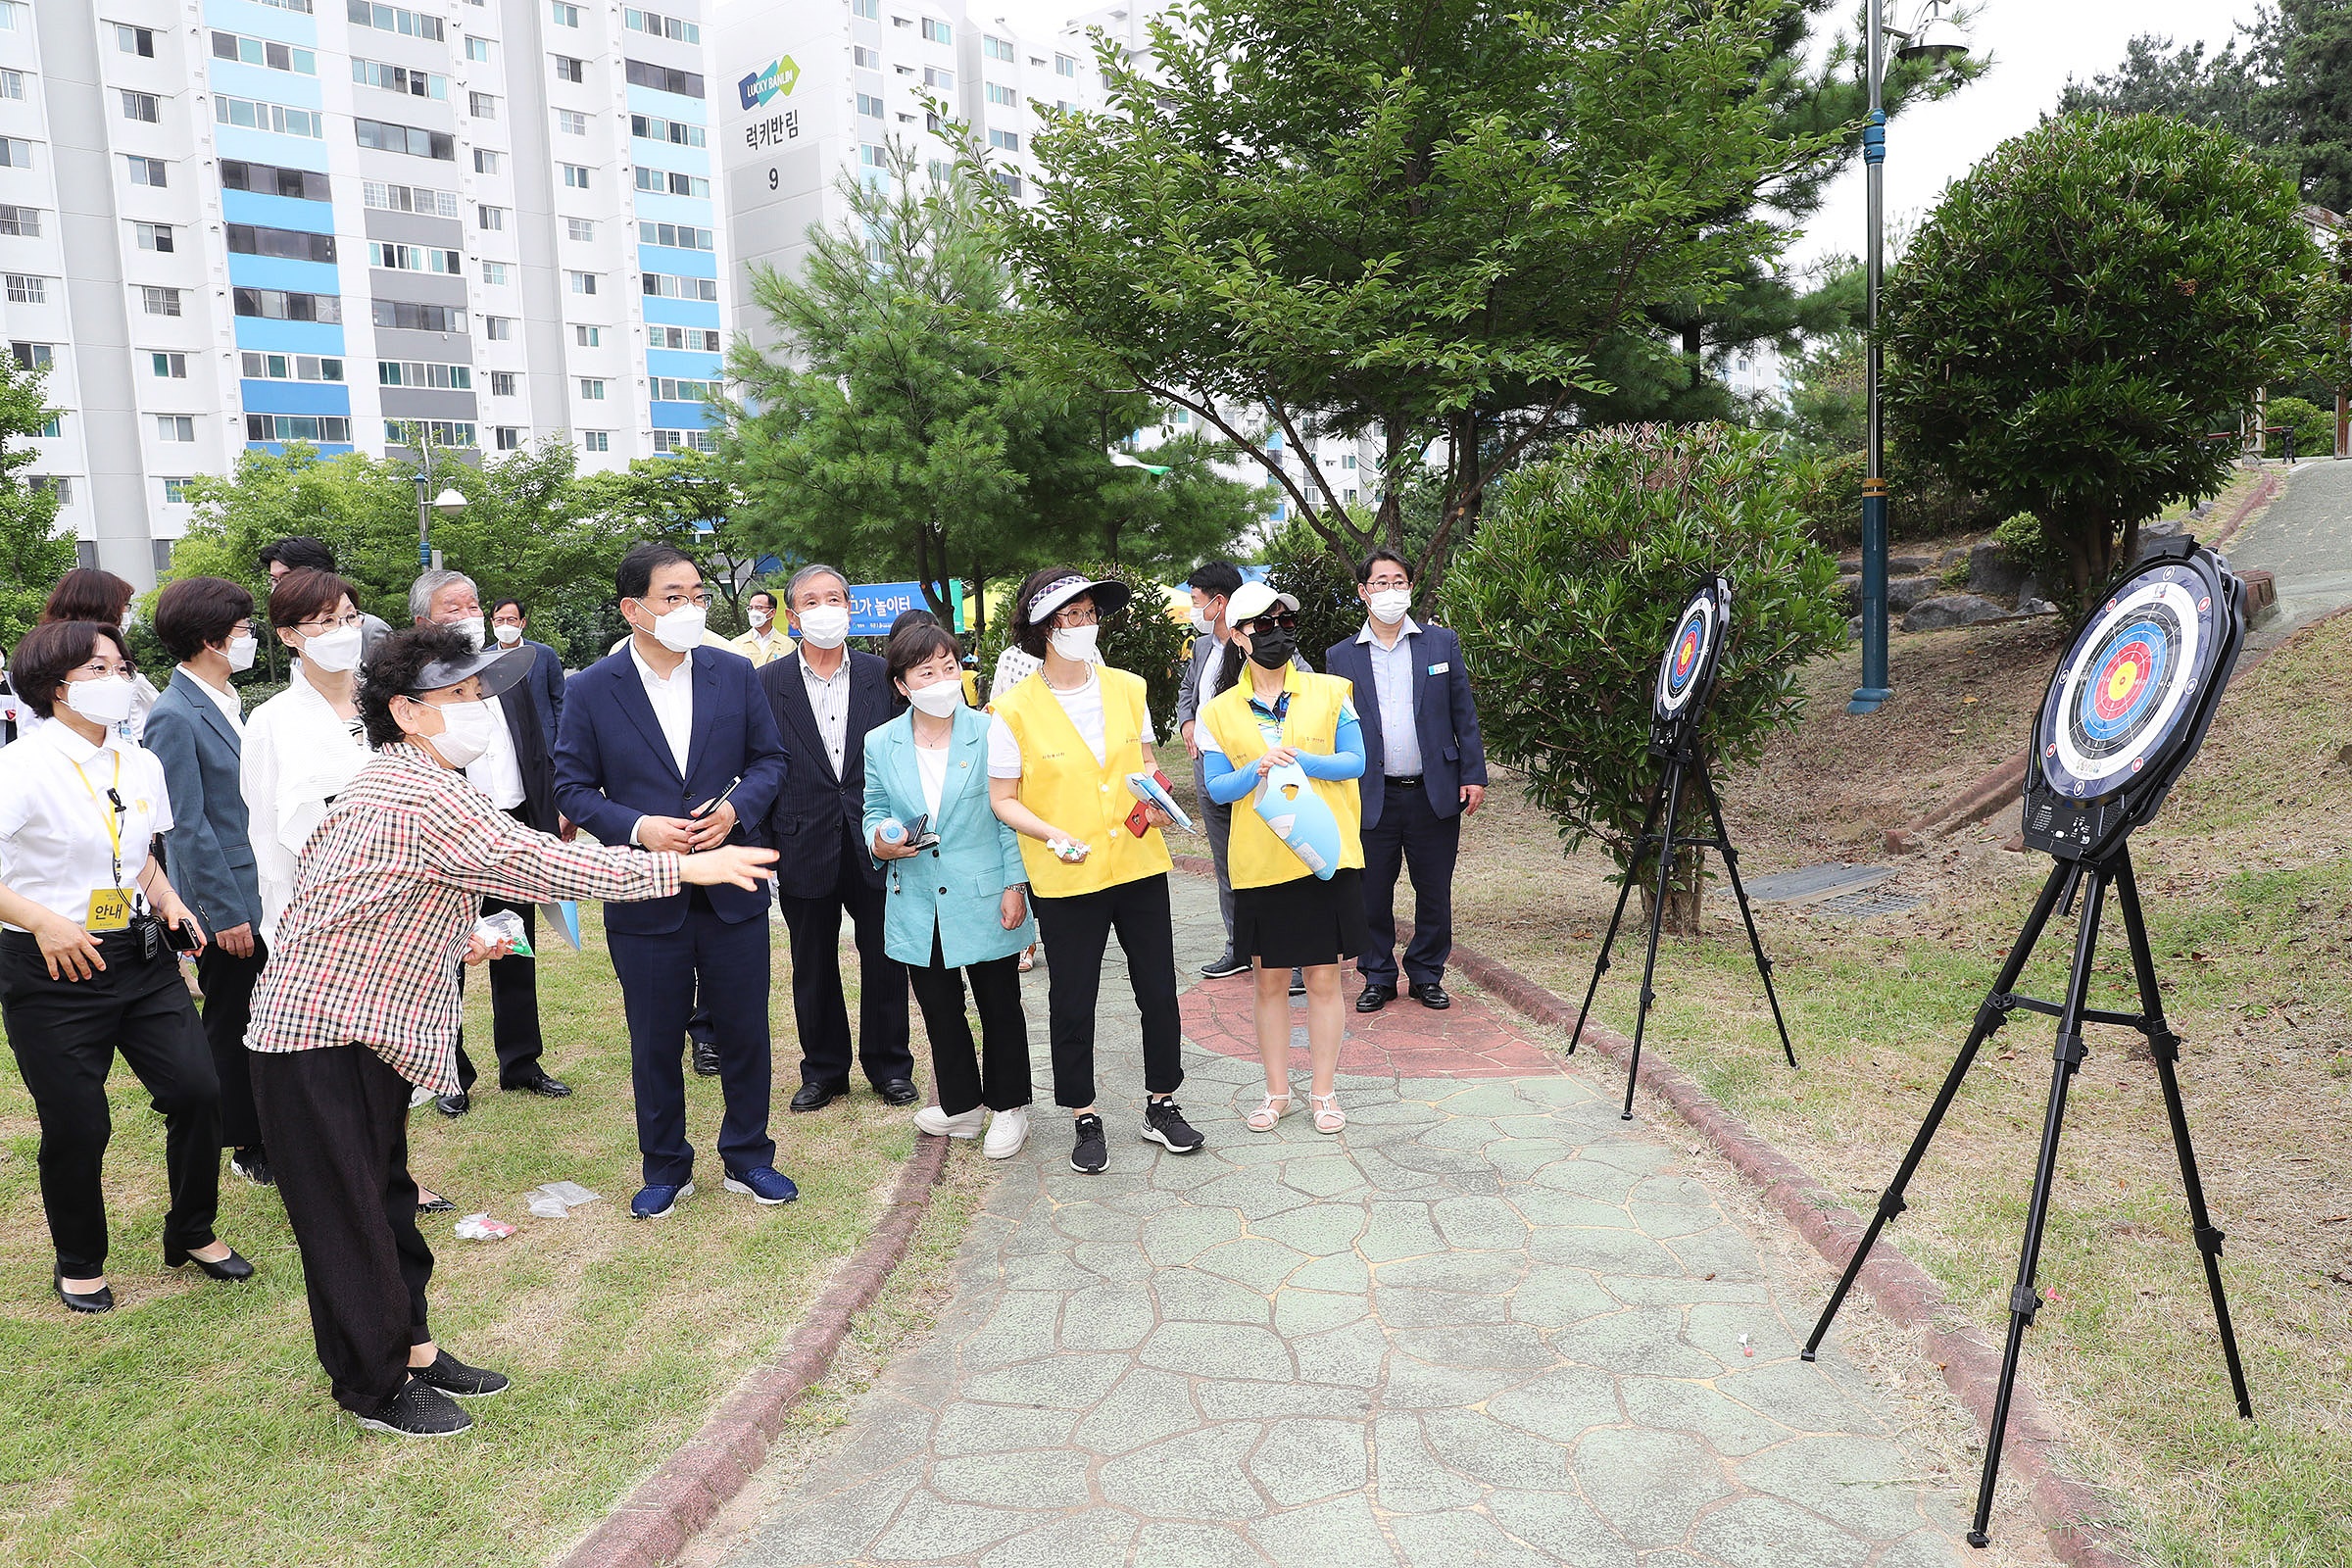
x,y
775,79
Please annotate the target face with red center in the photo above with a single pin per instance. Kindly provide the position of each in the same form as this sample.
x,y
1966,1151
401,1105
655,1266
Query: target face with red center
x,y
2127,686
1689,660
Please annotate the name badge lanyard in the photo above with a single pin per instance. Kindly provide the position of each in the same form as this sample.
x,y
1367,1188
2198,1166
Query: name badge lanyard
x,y
113,818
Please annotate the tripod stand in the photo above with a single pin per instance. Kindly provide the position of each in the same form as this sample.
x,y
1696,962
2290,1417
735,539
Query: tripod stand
x,y
2090,880
1682,760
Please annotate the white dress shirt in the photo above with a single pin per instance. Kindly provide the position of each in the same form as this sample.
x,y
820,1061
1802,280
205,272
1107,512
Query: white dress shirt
x,y
496,772
829,700
231,706
54,813
298,753
1392,680
672,697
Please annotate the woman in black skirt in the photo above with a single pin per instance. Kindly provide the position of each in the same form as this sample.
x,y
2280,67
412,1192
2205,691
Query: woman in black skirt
x,y
1284,916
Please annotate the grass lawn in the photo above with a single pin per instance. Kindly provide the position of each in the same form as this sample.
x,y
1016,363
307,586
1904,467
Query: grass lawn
x,y
193,1426
2247,879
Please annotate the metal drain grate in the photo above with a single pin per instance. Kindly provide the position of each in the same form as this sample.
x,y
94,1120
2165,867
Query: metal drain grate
x,y
1862,905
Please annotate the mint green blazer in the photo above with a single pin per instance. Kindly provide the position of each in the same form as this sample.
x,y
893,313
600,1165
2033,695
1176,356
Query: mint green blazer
x,y
958,887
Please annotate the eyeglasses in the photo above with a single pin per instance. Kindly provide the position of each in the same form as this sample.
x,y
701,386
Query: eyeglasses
x,y
671,602
320,625
1284,620
101,668
1078,615
1382,585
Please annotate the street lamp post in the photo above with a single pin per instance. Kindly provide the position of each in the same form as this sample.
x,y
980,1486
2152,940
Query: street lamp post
x,y
1936,39
449,503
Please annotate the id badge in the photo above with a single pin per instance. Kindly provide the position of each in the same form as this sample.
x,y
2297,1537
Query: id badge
x,y
109,910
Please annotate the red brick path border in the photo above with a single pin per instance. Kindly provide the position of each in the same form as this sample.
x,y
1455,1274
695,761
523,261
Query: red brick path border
x,y
1404,1040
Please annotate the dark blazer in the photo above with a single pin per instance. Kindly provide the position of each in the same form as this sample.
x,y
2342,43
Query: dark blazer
x,y
614,766
209,849
1451,753
814,811
535,753
545,681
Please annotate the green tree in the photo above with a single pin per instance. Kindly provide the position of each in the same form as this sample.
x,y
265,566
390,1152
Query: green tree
x,y
33,555
890,433
1432,222
2082,310
1575,583
686,499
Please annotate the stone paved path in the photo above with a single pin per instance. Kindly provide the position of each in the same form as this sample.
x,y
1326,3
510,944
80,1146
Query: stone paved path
x,y
2305,538
1489,1324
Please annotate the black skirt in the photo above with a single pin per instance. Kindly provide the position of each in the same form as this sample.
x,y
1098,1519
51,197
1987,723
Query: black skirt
x,y
1301,922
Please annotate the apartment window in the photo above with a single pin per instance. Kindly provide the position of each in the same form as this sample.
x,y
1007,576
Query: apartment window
x,y
937,32
54,427
142,106
580,228
481,106
169,367
664,79
297,428
1347,462
568,69
268,179
674,28
1065,65
477,49
572,122
587,337
416,317
1349,497
580,283
591,389
175,427
295,244
416,372
669,441
562,14
576,175
498,329
596,441
865,59
1008,141
490,217
176,491
17,153
872,157
991,48
667,390
403,80
25,223
413,258
440,432
694,339
502,383
1008,182
283,304
868,104
870,10
390,138
669,286
392,19
677,236
283,118
143,171
25,289
677,184
267,53
998,93
12,83
506,437
291,366
486,161
33,356
60,485
494,275
138,41
683,133
159,301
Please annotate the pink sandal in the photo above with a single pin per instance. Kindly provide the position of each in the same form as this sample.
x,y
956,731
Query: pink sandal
x,y
1263,1118
1329,1117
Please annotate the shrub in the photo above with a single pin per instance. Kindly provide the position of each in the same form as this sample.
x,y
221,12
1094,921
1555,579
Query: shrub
x,y
1569,593
2312,425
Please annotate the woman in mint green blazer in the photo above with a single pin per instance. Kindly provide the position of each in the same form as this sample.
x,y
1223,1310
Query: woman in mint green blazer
x,y
957,907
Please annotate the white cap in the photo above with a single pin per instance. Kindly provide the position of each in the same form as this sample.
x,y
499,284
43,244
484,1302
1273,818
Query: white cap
x,y
1253,599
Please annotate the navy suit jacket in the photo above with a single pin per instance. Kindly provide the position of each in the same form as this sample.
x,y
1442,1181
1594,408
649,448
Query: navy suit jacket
x,y
545,681
811,810
210,849
1446,719
614,766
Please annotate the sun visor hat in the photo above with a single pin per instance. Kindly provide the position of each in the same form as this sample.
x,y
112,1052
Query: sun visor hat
x,y
1253,599
1109,597
499,670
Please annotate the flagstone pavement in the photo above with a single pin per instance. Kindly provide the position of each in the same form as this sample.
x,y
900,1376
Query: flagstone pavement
x,y
1489,1323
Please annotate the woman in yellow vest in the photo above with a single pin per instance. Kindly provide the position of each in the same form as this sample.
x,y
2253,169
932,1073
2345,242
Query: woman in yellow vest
x,y
1059,752
1284,917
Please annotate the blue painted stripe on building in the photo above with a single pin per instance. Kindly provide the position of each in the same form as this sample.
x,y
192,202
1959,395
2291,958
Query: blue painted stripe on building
x,y
277,449
281,271
278,212
289,337
237,80
268,147
681,416
670,259
682,364
681,312
294,397
261,22
669,106
662,207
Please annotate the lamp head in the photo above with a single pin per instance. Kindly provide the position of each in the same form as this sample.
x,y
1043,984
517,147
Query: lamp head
x,y
449,503
1936,40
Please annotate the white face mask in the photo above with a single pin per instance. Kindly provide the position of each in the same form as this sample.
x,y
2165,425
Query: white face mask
x,y
465,732
471,626
825,625
762,619
106,702
939,698
131,618
240,652
1389,605
508,633
681,630
1202,624
1075,642
335,651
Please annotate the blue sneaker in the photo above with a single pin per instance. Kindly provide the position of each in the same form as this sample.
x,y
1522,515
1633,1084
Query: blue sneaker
x,y
657,1200
765,1182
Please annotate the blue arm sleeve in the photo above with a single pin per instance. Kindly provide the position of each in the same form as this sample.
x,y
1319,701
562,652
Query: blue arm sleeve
x,y
1226,782
1346,762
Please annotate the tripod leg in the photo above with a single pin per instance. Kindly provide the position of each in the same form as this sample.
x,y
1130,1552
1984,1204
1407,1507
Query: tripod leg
x,y
1625,891
1670,793
1989,1017
1731,867
2165,1046
2024,1300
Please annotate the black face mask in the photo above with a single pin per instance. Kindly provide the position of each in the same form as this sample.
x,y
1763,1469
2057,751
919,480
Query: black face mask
x,y
1273,649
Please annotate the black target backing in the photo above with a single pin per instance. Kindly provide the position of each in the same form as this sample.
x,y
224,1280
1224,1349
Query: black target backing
x,y
1686,673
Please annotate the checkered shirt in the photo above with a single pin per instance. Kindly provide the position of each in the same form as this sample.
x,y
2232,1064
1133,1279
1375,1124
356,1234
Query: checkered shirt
x,y
388,890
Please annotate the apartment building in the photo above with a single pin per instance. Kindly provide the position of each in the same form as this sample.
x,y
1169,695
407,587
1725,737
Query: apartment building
x,y
235,224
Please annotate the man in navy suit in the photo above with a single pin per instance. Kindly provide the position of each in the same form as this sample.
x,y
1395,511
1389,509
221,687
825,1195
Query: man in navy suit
x,y
825,701
669,745
1424,770
546,679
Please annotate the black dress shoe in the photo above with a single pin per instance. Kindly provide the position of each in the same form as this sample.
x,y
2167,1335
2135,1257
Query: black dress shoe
x,y
816,1097
549,1087
1225,967
705,1058
231,1267
1432,996
454,1106
896,1092
254,1165
1374,997
101,1299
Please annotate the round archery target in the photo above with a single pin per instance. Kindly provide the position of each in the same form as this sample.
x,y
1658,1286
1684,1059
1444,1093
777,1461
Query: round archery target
x,y
2128,684
1688,655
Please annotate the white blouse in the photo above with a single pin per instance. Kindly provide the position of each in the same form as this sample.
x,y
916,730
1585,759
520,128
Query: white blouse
x,y
298,755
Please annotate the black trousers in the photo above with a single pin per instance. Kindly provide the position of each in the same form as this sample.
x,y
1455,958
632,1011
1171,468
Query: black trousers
x,y
337,1123
514,1009
63,1034
227,981
998,1075
820,1007
1076,930
1412,835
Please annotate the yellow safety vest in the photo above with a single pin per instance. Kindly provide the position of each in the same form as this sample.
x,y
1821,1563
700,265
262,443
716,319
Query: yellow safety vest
x,y
1253,856
1062,782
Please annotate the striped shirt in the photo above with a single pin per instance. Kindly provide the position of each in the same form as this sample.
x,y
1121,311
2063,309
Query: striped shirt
x,y
369,947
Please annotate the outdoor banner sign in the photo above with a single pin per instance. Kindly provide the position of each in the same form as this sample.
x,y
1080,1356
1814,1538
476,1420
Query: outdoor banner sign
x,y
874,606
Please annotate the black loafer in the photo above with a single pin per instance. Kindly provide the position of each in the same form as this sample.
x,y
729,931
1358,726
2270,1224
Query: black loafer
x,y
101,1299
231,1267
705,1058
454,1106
436,1205
1374,997
816,1097
1225,967
543,1085
1433,996
896,1092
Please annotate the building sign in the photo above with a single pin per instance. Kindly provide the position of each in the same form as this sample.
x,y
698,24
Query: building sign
x,y
773,132
774,81
874,606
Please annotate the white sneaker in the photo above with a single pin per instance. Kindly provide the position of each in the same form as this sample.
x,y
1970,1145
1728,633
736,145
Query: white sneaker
x,y
1007,1133
939,1124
